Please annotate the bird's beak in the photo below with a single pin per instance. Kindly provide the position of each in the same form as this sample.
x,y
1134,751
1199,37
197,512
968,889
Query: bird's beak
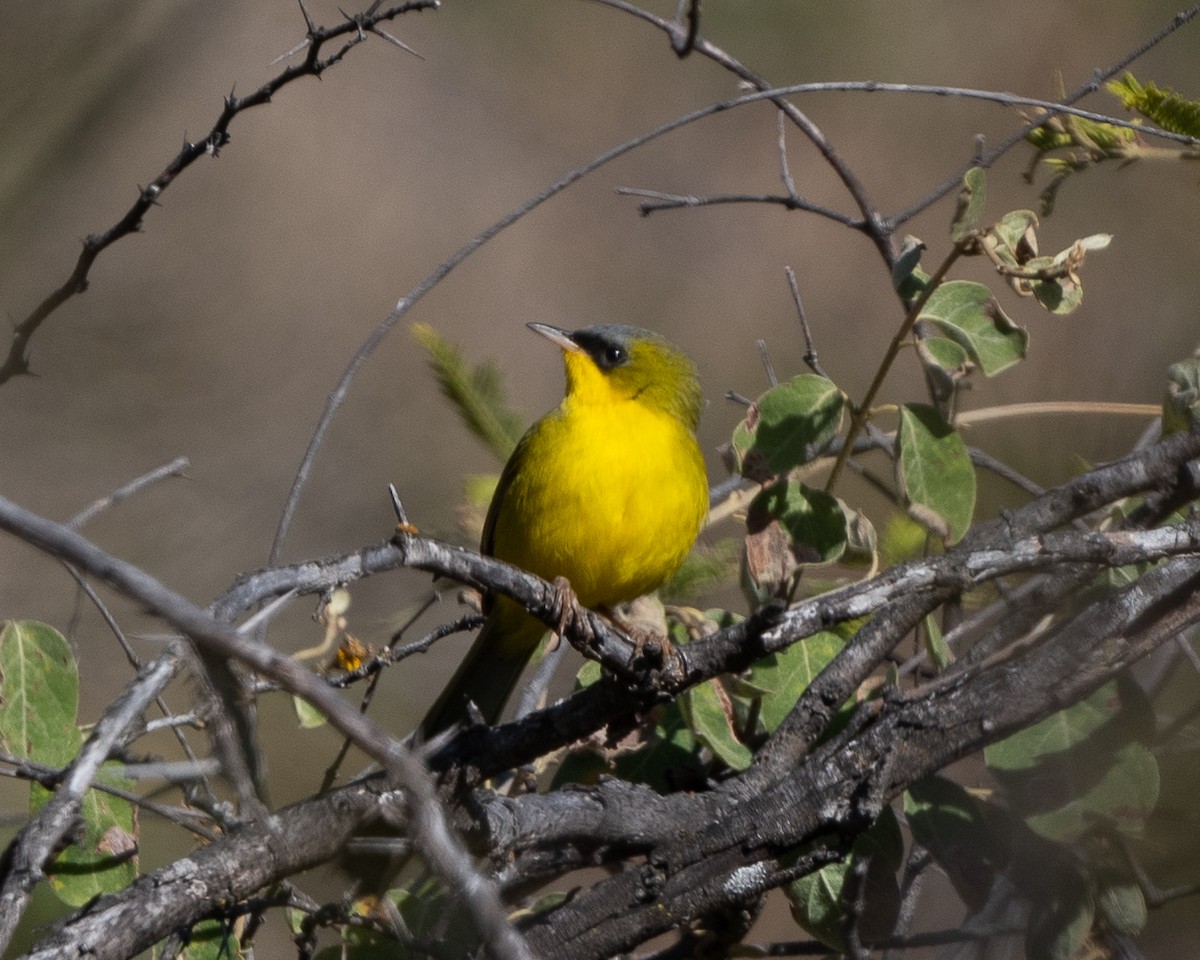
x,y
556,335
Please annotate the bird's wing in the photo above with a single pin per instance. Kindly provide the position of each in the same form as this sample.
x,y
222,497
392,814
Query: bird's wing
x,y
487,542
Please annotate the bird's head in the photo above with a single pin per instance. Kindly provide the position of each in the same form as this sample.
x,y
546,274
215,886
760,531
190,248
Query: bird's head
x,y
617,362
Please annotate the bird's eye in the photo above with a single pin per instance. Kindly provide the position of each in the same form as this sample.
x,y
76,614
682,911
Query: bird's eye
x,y
614,356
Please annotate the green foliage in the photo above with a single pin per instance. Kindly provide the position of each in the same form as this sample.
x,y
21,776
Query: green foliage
x,y
950,823
972,199
790,425
969,315
709,714
39,698
938,651
211,940
934,472
1181,402
1079,767
1123,906
789,525
1163,106
477,393
1061,921
1067,145
41,692
783,676
817,900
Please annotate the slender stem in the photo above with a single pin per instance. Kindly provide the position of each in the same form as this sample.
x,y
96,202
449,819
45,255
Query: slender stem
x,y
1049,407
862,411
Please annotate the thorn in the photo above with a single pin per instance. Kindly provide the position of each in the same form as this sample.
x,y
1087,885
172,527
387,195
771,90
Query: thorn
x,y
307,41
312,27
357,21
379,31
267,612
402,524
768,367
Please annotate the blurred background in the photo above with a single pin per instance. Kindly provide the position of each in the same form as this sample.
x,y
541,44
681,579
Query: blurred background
x,y
218,332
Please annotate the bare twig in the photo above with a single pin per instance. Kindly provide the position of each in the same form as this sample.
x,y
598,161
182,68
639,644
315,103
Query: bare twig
x,y
17,360
785,172
810,346
173,469
657,200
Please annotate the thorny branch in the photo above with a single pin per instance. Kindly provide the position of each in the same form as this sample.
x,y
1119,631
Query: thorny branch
x,y
352,31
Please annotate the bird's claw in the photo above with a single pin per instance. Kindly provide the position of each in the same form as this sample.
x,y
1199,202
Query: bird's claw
x,y
568,612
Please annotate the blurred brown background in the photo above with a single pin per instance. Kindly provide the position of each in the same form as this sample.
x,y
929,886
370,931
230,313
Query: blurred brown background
x,y
218,332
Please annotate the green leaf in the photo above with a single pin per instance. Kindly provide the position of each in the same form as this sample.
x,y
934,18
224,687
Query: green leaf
x,y
938,650
789,525
39,693
308,716
476,392
1181,403
1124,907
816,899
945,353
104,858
709,715
788,426
814,520
968,314
1060,921
706,567
669,761
907,277
1013,238
427,914
903,539
425,908
211,940
972,198
949,823
783,676
39,697
1163,106
1079,767
1062,291
934,472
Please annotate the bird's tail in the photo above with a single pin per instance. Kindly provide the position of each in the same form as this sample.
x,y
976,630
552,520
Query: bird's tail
x,y
489,672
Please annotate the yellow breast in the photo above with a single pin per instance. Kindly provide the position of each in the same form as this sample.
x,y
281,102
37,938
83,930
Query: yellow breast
x,y
610,495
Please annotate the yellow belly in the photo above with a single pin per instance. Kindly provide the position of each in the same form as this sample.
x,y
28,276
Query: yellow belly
x,y
614,510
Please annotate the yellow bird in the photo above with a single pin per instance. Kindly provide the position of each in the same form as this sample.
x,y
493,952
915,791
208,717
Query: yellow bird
x,y
608,491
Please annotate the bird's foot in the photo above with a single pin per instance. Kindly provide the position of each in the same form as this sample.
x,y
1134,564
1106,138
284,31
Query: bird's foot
x,y
569,613
644,622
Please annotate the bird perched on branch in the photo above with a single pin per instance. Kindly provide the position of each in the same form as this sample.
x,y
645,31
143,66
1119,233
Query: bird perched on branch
x,y
607,491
